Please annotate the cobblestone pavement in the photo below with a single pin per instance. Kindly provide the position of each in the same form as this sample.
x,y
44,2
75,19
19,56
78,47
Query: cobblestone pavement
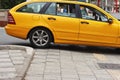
x,y
74,63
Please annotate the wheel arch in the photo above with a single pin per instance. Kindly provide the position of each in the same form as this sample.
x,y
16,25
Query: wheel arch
x,y
28,35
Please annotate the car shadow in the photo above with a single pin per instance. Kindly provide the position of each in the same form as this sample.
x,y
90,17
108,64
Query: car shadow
x,y
79,48
87,49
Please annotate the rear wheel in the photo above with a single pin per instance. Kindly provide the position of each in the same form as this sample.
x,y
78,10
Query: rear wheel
x,y
40,38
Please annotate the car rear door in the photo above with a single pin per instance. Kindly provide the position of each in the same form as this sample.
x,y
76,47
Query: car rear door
x,y
61,17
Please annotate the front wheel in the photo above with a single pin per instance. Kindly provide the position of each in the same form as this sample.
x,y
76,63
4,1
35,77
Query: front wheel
x,y
40,38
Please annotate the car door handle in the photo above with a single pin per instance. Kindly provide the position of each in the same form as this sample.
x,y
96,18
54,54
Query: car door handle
x,y
83,22
51,18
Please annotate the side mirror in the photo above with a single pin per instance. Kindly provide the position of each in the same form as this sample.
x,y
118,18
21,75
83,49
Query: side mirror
x,y
110,21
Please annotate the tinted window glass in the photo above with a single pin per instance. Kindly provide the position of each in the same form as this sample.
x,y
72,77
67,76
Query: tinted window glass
x,y
31,8
61,9
66,9
92,14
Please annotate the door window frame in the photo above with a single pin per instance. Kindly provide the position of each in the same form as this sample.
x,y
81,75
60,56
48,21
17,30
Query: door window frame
x,y
46,7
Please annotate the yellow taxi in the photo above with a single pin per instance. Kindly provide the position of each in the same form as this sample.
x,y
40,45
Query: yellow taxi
x,y
66,22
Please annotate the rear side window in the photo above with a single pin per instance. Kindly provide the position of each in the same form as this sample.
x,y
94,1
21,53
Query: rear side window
x,y
66,9
31,8
61,9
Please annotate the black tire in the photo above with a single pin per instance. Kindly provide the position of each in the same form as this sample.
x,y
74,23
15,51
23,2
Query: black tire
x,y
40,38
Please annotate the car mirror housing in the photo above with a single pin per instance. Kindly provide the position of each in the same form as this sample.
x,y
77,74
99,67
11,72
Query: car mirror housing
x,y
110,21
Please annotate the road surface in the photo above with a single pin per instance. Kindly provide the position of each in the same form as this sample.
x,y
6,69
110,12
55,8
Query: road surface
x,y
9,40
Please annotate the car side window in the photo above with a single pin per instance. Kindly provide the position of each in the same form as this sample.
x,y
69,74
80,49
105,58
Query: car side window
x,y
64,9
61,9
92,14
31,8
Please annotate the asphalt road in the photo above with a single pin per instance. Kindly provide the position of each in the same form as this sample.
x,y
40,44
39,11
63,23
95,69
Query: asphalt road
x,y
9,40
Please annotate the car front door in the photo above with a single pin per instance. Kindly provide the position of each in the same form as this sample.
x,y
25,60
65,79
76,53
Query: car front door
x,y
94,26
61,17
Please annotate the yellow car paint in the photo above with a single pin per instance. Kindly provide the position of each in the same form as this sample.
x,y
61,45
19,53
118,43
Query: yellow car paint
x,y
67,30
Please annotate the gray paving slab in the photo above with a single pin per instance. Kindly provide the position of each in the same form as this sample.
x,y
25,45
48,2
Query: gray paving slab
x,y
34,78
14,62
56,64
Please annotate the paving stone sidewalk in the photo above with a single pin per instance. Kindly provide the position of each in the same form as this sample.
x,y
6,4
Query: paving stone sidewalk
x,y
57,64
13,63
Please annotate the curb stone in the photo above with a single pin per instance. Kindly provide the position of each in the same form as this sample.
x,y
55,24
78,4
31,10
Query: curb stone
x,y
30,53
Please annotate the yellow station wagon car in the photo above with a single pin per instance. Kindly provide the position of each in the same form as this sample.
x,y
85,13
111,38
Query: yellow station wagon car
x,y
66,22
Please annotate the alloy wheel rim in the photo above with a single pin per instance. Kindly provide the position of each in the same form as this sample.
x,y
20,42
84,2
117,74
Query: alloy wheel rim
x,y
40,37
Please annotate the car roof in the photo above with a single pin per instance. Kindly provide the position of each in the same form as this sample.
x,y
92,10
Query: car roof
x,y
64,1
